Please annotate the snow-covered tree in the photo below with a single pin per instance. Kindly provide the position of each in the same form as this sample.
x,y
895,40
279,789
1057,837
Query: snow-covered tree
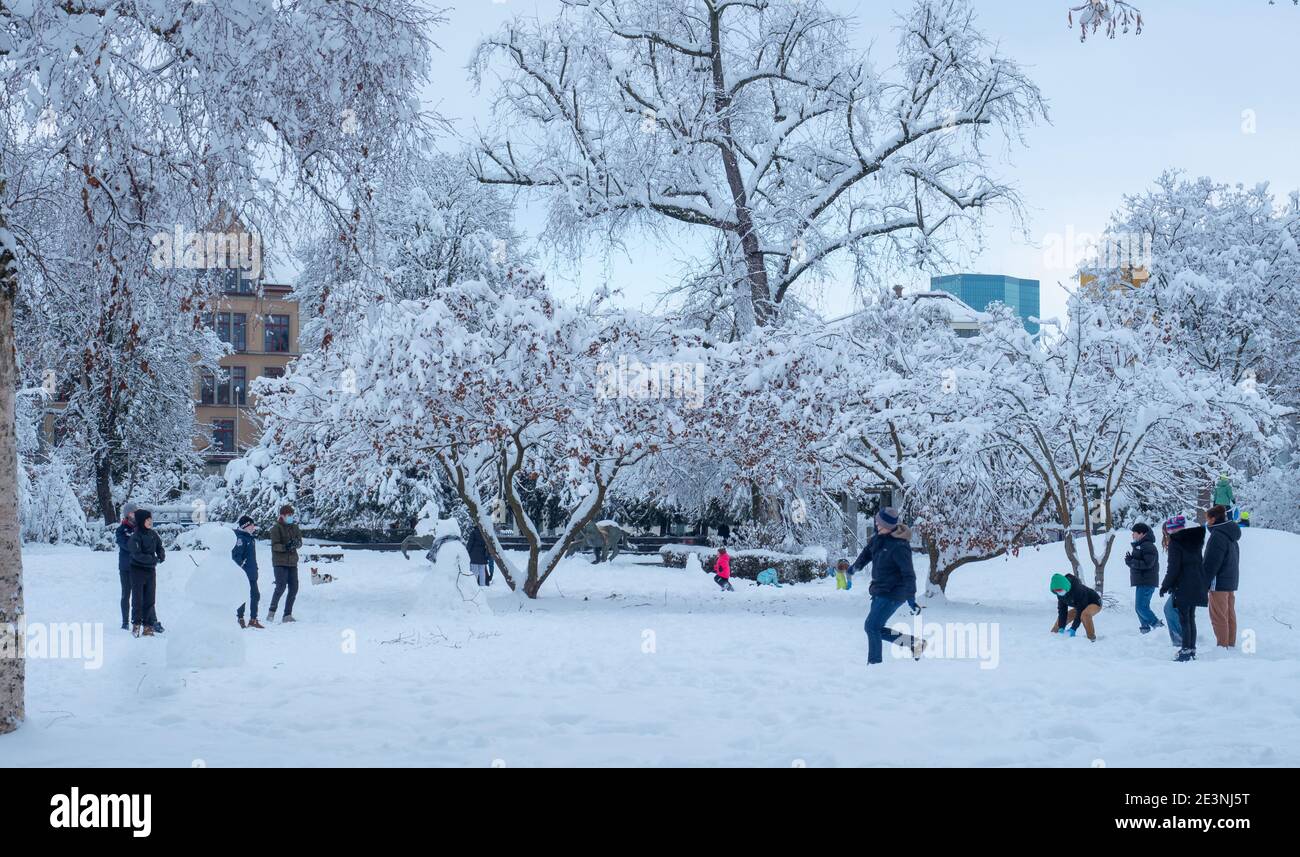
x,y
434,226
1108,409
275,110
501,389
758,128
115,336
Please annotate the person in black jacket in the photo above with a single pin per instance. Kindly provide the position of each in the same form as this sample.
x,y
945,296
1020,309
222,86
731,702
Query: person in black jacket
x,y
1222,574
146,552
1143,563
1076,604
244,553
123,538
893,583
479,560
1185,579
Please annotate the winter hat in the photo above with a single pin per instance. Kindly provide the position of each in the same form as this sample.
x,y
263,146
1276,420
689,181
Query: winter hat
x,y
244,521
1218,513
1176,523
1060,582
142,515
128,510
1245,516
887,517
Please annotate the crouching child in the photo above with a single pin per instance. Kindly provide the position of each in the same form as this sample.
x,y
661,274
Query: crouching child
x,y
1075,604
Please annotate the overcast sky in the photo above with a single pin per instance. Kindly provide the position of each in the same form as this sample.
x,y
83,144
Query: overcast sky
x,y
1121,112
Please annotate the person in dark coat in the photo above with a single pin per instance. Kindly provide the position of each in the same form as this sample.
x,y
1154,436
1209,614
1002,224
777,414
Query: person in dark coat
x,y
146,550
1223,573
1143,562
244,553
893,583
286,538
122,535
479,559
1185,580
1076,604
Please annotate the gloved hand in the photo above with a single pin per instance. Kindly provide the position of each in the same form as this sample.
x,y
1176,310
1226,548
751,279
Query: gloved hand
x,y
1163,593
1072,630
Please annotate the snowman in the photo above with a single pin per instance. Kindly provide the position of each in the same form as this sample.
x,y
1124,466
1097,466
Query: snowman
x,y
448,583
206,635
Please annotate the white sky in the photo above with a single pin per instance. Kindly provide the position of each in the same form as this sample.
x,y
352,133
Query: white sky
x,y
1121,112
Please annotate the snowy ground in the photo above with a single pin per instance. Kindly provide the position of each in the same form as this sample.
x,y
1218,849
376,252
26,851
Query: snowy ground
x,y
641,665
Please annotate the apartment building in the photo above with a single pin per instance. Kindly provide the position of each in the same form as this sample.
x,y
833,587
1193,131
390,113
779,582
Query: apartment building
x,y
260,323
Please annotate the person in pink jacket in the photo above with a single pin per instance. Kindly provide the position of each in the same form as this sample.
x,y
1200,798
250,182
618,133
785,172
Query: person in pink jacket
x,y
722,571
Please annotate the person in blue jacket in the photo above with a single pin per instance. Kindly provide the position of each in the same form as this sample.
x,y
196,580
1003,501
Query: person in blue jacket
x,y
122,536
244,553
893,583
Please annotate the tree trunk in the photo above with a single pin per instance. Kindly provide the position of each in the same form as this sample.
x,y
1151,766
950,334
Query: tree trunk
x,y
104,489
12,664
755,264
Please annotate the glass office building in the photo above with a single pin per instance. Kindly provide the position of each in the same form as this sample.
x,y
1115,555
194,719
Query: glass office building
x,y
980,290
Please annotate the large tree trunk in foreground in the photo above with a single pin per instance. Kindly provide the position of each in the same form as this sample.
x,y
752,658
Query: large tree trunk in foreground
x,y
11,557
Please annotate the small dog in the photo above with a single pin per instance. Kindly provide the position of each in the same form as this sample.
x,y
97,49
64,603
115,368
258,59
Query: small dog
x,y
317,578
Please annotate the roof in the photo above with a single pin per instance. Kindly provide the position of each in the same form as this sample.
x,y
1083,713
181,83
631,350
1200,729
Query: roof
x,y
957,311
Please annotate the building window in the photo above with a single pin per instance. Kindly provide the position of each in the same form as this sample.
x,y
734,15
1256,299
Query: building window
x,y
230,389
273,372
223,436
237,282
277,334
231,328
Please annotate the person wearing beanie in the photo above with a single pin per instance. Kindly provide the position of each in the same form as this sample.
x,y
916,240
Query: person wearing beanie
x,y
147,552
122,535
1222,574
1076,604
1143,562
244,553
893,583
286,538
1184,581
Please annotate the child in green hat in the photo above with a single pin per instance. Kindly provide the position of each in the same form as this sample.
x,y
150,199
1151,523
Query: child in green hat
x,y
1076,605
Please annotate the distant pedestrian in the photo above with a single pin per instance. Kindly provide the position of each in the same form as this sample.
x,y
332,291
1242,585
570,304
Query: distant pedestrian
x,y
893,583
843,576
286,538
146,554
724,533
1076,604
479,558
722,571
1143,561
1245,519
1223,492
1223,573
245,556
123,538
1184,582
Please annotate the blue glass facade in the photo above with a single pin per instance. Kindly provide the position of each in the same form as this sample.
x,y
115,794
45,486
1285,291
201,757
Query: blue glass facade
x,y
980,290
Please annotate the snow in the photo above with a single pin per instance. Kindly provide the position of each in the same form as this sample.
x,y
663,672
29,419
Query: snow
x,y
627,663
